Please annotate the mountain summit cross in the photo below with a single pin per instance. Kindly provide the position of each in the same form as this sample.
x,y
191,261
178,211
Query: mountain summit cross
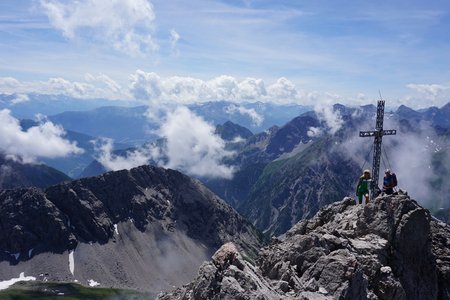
x,y
378,134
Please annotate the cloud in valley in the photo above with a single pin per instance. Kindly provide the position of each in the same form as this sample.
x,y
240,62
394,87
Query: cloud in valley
x,y
190,146
331,118
257,119
125,25
408,154
20,98
193,147
132,158
45,140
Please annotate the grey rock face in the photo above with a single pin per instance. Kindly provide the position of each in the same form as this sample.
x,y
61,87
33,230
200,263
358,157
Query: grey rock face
x,y
60,217
389,249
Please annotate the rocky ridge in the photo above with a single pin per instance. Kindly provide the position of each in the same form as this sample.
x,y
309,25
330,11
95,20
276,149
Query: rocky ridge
x,y
161,215
390,249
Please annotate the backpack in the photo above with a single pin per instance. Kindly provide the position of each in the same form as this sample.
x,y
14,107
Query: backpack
x,y
394,180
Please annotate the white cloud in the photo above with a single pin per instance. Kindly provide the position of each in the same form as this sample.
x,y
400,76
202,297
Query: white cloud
x,y
44,140
19,98
193,147
252,89
332,118
60,86
145,86
190,146
314,131
257,119
135,158
283,90
150,86
174,38
104,79
126,25
8,84
225,87
427,95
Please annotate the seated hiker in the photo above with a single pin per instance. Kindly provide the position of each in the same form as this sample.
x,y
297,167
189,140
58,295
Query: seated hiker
x,y
362,189
389,182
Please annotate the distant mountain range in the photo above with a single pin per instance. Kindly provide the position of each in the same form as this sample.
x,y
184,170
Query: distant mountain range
x,y
150,228
285,175
32,104
130,125
74,165
283,171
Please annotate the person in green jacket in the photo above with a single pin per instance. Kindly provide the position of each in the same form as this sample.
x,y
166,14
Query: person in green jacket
x,y
363,186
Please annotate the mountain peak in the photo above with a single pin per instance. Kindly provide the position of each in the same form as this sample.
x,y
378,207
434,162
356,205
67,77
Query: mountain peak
x,y
229,131
347,251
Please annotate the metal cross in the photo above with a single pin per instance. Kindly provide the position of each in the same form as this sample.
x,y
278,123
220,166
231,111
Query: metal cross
x,y
378,134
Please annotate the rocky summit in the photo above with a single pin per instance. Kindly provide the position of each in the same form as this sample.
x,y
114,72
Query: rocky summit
x,y
148,228
391,248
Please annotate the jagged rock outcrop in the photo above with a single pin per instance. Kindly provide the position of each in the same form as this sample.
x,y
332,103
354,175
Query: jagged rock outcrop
x,y
390,249
168,224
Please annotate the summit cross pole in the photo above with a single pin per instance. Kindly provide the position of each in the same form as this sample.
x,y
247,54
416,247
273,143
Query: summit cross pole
x,y
378,137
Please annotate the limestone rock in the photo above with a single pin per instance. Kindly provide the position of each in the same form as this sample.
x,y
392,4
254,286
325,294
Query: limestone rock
x,y
389,249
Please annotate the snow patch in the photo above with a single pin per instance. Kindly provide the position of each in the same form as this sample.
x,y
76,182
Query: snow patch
x,y
386,270
93,283
7,283
71,262
29,252
115,229
16,255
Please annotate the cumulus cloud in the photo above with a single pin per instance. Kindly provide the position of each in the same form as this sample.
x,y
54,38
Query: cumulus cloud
x,y
185,90
133,158
427,95
104,79
45,140
60,86
149,86
125,25
257,119
9,84
283,90
145,86
193,147
252,89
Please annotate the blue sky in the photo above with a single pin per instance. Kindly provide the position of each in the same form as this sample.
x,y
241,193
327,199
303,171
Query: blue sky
x,y
340,51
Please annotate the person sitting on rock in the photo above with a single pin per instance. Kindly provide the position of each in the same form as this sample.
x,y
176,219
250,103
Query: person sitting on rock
x,y
362,189
389,182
